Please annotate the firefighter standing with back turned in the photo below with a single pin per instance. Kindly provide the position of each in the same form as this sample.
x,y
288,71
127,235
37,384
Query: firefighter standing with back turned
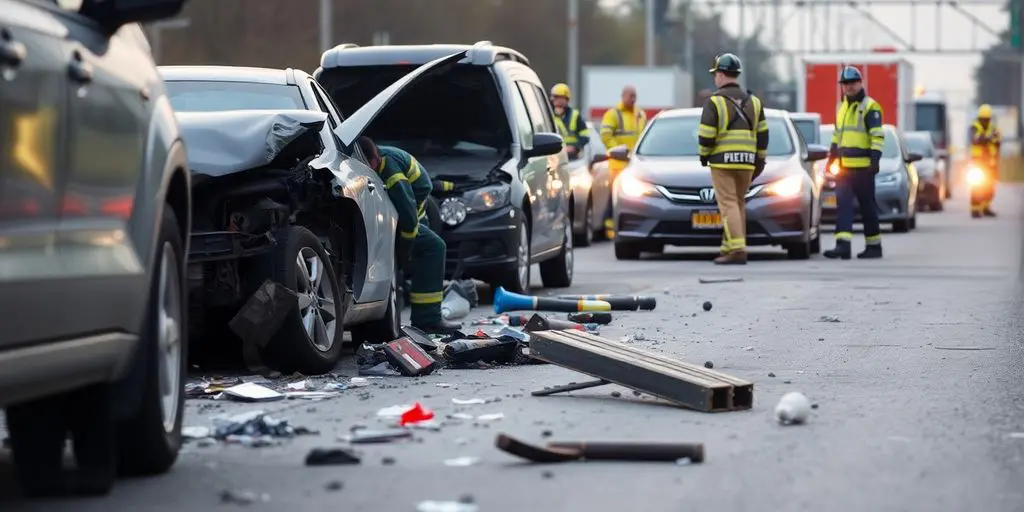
x,y
571,124
408,187
733,139
857,144
620,126
985,145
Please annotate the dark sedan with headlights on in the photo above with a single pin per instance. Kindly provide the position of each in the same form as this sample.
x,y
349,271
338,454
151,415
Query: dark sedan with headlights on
x,y
664,196
895,185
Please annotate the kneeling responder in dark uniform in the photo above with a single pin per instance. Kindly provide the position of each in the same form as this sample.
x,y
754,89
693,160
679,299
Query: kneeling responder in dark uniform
x,y
733,138
857,143
985,142
408,187
571,125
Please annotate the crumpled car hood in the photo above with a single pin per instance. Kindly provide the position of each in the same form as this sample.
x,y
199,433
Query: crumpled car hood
x,y
223,143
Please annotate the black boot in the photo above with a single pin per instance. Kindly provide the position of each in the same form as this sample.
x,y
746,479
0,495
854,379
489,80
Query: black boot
x,y
840,251
442,326
988,213
975,215
871,252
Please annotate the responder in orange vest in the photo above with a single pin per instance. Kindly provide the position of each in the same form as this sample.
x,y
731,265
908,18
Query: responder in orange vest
x,y
620,126
983,171
570,123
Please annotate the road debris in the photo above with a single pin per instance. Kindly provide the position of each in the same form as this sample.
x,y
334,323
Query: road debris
x,y
709,365
367,436
409,358
252,429
619,302
590,317
334,485
245,497
707,305
793,409
485,418
965,348
332,457
716,280
829,319
462,461
416,414
459,298
619,451
468,401
445,506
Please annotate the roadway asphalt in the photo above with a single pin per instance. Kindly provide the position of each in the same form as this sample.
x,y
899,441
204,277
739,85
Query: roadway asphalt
x,y
915,363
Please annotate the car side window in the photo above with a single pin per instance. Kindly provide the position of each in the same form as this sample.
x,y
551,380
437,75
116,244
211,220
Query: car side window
x,y
535,109
523,124
549,123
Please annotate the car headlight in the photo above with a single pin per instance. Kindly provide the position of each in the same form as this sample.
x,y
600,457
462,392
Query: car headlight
x,y
630,186
889,178
786,187
975,176
833,170
453,211
486,198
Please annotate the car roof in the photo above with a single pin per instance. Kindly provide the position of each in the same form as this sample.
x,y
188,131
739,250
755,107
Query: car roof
x,y
800,116
689,112
287,76
481,53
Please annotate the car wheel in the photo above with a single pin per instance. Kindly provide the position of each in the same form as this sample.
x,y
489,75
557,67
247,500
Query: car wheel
x,y
816,244
912,223
585,237
309,341
516,279
901,226
386,328
557,272
148,443
799,251
627,251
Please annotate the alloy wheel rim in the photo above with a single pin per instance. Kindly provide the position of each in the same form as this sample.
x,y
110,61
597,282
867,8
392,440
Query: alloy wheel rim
x,y
568,248
589,223
316,299
169,336
524,260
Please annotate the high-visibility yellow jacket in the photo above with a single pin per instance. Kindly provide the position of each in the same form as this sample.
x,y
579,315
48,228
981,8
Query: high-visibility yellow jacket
x,y
985,141
572,127
620,126
858,137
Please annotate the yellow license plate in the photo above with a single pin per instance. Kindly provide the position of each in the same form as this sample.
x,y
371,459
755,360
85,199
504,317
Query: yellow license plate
x,y
706,220
829,202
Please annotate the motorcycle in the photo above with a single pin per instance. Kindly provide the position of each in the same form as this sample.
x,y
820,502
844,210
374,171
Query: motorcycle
x,y
981,178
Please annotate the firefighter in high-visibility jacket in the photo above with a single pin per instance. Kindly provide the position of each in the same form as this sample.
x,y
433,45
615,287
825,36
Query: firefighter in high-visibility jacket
x,y
421,252
620,126
733,140
983,171
570,123
857,144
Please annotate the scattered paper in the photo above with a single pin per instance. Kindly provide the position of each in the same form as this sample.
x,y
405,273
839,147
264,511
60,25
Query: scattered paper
x,y
393,412
468,401
445,506
297,386
249,392
358,382
462,461
490,417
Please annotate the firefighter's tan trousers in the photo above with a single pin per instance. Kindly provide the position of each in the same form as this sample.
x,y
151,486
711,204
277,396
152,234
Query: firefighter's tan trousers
x,y
731,188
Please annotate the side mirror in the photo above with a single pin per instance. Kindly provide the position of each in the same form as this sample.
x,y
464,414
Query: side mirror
x,y
545,144
619,153
816,152
913,157
112,14
598,159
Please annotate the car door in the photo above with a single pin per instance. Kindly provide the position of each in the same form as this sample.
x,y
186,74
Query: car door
x,y
537,175
109,112
558,169
378,214
32,124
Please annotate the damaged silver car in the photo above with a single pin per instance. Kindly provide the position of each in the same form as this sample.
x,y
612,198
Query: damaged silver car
x,y
294,235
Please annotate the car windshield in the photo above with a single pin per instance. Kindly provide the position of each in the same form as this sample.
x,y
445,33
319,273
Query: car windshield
x,y
677,136
889,150
807,130
920,143
212,96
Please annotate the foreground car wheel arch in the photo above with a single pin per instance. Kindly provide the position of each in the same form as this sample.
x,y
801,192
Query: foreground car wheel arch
x,y
388,327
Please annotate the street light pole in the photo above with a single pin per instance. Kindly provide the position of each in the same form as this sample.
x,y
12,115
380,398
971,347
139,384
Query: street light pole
x,y
326,24
741,39
649,34
574,48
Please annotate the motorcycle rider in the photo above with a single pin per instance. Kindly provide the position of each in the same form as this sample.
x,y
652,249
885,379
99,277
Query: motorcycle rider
x,y
985,145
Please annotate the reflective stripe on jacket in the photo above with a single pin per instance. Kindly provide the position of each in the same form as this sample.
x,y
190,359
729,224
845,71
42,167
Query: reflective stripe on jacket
x,y
984,140
418,178
729,140
858,136
622,127
573,130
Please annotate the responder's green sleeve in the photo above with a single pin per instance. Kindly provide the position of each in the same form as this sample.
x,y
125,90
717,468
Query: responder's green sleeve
x,y
400,193
762,132
443,186
609,123
419,180
873,123
708,130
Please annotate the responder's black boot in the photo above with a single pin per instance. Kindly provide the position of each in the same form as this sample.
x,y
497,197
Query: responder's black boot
x,y
975,215
988,213
871,252
441,327
841,251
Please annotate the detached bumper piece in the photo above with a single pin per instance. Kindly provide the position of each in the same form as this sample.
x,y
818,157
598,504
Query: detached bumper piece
x,y
683,384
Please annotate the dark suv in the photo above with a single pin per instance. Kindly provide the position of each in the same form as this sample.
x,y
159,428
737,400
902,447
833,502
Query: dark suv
x,y
94,229
483,130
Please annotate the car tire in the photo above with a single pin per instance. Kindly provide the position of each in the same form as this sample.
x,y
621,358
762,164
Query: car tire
x,y
558,271
816,244
799,250
627,251
585,236
293,348
901,226
388,327
912,223
148,442
516,279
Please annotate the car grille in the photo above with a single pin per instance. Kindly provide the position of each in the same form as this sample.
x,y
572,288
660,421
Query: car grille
x,y
690,195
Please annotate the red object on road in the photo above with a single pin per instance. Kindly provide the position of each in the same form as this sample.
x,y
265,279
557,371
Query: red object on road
x,y
416,414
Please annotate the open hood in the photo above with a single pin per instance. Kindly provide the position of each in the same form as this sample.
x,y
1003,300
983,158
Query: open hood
x,y
354,125
222,143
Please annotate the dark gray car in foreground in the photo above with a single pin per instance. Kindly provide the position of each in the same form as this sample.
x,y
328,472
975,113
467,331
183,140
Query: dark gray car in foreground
x,y
94,224
664,197
895,184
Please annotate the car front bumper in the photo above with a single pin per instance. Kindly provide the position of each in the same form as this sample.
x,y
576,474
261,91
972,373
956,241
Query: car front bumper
x,y
890,203
483,244
661,221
